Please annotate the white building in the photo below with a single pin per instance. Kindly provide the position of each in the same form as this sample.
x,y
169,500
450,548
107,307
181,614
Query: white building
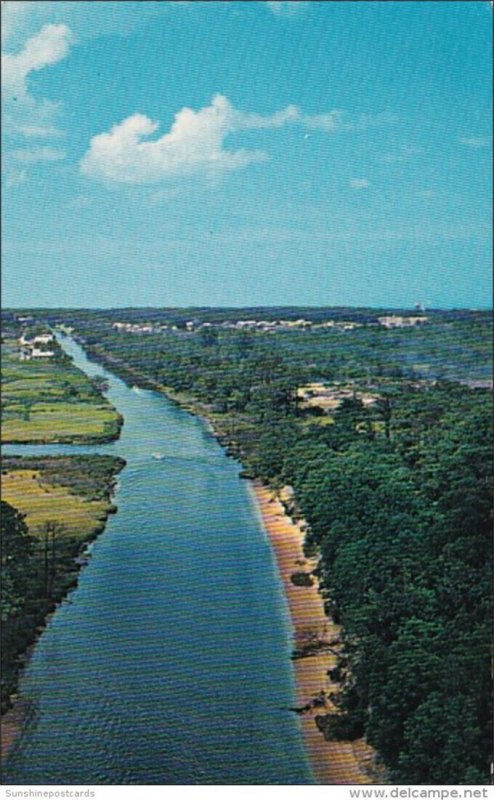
x,y
36,353
40,338
401,322
43,338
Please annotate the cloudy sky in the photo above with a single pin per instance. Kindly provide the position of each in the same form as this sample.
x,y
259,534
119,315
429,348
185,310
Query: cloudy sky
x,y
246,153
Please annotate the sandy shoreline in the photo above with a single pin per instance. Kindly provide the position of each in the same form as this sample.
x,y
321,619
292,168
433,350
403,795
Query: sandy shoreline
x,y
332,762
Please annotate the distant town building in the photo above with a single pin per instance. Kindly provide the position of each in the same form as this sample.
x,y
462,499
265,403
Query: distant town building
x,y
41,338
328,398
35,353
27,353
129,327
30,346
401,322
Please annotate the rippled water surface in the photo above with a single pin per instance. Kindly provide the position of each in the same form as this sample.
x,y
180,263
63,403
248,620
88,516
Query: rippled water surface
x,y
170,661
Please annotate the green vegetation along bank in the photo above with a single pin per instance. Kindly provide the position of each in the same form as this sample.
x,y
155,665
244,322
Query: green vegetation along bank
x,y
46,398
52,507
386,438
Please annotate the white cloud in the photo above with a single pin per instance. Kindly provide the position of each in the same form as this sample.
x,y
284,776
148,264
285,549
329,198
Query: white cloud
x,y
24,114
32,155
194,144
38,131
286,7
359,183
242,121
338,121
476,142
80,202
331,121
49,45
13,17
15,177
21,19
403,153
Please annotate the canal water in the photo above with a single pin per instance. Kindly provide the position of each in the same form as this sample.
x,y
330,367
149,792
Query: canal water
x,y
170,661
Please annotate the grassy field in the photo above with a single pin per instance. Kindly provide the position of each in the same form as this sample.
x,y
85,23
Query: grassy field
x,y
65,501
42,502
60,422
53,402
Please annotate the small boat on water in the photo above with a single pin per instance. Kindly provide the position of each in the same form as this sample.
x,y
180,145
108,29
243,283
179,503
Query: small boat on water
x,y
157,456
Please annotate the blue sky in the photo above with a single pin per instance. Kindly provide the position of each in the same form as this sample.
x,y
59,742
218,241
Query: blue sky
x,y
250,153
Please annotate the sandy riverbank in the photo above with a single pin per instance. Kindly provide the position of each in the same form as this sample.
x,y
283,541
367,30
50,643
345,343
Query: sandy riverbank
x,y
332,762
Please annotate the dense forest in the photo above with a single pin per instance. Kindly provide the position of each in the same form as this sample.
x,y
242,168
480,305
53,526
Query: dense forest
x,y
394,481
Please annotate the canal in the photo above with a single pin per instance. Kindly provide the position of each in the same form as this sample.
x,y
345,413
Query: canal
x,y
170,661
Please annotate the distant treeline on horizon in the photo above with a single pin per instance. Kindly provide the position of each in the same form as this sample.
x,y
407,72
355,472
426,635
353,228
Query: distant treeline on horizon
x,y
269,313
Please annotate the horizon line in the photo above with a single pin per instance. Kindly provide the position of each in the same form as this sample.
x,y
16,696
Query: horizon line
x,y
240,307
